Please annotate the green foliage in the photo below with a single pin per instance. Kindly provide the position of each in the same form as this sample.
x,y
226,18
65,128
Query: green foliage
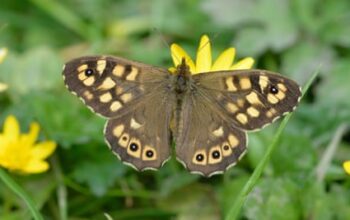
x,y
294,37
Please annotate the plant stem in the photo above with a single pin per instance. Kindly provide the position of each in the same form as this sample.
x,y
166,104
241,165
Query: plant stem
x,y
17,189
234,211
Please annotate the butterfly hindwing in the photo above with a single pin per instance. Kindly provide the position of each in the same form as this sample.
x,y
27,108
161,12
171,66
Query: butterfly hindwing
x,y
206,143
111,85
141,138
251,99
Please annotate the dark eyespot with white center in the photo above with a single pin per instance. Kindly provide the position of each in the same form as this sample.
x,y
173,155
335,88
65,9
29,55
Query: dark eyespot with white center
x,y
134,147
89,72
273,89
199,157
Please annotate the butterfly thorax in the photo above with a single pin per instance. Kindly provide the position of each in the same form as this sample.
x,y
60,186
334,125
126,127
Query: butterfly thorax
x,y
183,77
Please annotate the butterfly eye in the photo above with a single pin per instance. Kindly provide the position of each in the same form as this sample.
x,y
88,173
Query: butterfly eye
x,y
89,72
273,89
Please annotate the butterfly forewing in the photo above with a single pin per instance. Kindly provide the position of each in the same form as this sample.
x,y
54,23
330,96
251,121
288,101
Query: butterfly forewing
x,y
250,99
110,86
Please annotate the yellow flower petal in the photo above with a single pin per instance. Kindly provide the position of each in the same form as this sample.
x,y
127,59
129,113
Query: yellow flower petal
x,y
3,53
19,153
203,61
346,166
225,60
43,149
3,87
36,166
177,53
245,63
31,137
11,128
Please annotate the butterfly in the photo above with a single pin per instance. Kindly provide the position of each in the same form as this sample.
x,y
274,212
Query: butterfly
x,y
207,115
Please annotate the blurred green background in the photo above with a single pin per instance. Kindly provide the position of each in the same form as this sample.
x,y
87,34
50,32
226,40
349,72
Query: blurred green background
x,y
304,178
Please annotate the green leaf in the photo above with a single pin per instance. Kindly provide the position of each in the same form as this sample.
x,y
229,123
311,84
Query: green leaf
x,y
100,172
273,199
304,58
263,25
38,69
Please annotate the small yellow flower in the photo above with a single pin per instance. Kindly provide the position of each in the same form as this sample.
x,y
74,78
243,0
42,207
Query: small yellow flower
x,y
204,61
3,53
346,166
20,152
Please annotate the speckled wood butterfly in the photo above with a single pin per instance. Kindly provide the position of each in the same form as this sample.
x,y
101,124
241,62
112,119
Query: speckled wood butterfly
x,y
206,115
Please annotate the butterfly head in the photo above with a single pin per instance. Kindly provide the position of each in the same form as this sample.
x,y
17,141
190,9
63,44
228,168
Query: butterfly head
x,y
183,68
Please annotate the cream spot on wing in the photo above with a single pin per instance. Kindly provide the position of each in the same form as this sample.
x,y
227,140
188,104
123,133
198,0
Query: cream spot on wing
x,y
233,141
245,83
118,130
133,74
82,76
108,83
126,97
253,98
230,85
82,68
240,102
134,124
271,112
253,112
149,153
242,118
119,90
212,159
118,70
280,95
134,152
101,65
263,82
272,98
124,140
231,107
282,87
218,132
200,154
88,95
106,97
115,106
89,81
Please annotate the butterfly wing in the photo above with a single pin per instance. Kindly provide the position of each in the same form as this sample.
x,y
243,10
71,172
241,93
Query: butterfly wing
x,y
221,106
110,86
251,99
127,93
205,142
141,138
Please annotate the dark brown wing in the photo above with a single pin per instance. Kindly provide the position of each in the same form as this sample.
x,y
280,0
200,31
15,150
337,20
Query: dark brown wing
x,y
251,99
110,86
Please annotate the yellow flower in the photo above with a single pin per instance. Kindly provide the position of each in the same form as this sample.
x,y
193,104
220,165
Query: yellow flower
x,y
204,61
346,166
3,53
20,152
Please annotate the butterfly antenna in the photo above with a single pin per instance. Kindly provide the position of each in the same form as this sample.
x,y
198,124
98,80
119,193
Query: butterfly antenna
x,y
166,44
209,41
